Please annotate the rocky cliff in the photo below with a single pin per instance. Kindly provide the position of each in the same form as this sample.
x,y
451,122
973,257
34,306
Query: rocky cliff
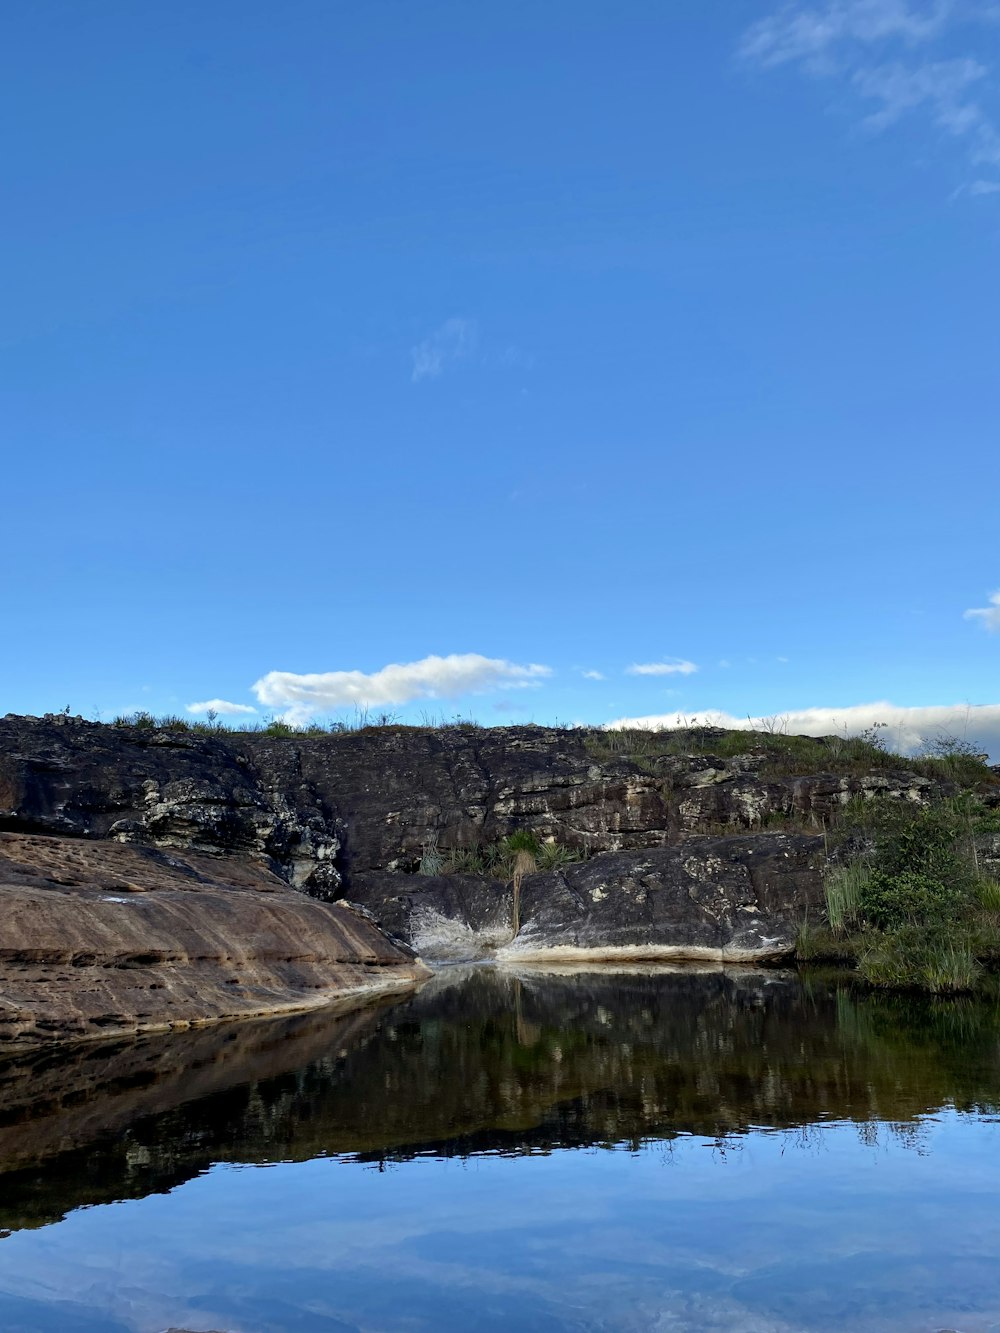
x,y
682,852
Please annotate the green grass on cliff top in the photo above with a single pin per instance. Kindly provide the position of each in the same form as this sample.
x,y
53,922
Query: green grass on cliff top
x,y
942,757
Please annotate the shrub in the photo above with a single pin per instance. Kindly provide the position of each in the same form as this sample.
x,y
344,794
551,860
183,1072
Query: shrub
x,y
465,861
274,726
141,719
522,840
887,900
924,841
959,760
174,723
819,944
498,859
912,903
917,865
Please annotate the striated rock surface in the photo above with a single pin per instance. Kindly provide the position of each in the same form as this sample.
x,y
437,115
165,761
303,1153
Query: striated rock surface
x,y
394,793
99,939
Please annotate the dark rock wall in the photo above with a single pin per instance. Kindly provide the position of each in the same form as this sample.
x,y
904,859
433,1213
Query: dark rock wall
x,y
353,814
67,777
375,800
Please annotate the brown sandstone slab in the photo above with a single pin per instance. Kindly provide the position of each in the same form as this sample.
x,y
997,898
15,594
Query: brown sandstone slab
x,y
100,939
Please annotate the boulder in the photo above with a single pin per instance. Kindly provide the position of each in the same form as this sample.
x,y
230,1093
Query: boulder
x,y
738,899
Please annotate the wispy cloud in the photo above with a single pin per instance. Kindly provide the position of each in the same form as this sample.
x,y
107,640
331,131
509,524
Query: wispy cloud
x,y
812,36
301,697
593,675
221,706
906,728
940,88
988,615
671,667
455,340
883,50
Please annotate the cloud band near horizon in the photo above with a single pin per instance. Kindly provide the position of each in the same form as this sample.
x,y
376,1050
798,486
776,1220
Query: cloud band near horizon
x,y
907,728
303,697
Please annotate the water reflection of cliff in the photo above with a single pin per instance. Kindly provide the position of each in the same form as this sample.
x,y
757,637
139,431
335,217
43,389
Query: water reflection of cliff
x,y
486,1061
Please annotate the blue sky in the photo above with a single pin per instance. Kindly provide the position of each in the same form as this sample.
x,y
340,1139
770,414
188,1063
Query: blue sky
x,y
555,338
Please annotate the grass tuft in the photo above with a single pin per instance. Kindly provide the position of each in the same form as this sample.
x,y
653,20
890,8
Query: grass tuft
x,y
988,895
845,887
912,958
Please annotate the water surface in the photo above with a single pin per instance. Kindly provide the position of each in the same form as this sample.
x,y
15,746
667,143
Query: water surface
x,y
666,1150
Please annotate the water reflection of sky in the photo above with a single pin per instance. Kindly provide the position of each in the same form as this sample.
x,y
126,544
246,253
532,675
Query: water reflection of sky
x,y
831,1229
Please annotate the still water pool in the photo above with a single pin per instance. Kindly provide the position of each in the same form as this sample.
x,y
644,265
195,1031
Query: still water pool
x,y
649,1150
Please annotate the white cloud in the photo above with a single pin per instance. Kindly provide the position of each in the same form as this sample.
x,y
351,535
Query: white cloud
x,y
676,667
453,341
906,727
978,188
839,37
593,675
221,706
302,697
989,615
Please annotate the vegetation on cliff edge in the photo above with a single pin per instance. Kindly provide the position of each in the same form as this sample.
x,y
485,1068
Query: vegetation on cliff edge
x,y
909,898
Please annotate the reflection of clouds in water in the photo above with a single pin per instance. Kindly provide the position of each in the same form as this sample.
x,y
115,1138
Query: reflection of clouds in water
x,y
761,1212
695,1314
770,1240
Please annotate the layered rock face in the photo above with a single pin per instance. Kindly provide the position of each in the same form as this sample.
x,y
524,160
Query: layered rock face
x,y
685,856
69,778
395,793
